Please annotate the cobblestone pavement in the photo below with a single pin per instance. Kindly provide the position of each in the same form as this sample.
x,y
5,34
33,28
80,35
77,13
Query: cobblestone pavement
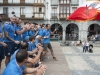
x,y
82,63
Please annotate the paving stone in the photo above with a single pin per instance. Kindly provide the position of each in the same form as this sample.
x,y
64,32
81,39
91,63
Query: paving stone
x,y
82,63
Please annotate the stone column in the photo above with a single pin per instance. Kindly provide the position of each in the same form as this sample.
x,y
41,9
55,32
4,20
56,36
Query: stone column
x,y
83,26
64,35
83,35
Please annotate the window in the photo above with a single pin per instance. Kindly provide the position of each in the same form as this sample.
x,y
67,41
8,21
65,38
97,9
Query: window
x,y
5,10
61,1
42,1
61,15
39,1
64,15
67,1
22,12
73,9
64,1
40,9
35,1
67,9
74,1
67,14
61,9
22,1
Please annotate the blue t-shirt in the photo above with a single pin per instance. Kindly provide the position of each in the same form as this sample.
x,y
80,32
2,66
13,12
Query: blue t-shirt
x,y
18,36
14,55
32,46
40,31
13,69
25,34
38,42
10,28
46,35
31,33
1,34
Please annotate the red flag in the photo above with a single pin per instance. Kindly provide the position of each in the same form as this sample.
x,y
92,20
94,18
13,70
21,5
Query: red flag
x,y
83,14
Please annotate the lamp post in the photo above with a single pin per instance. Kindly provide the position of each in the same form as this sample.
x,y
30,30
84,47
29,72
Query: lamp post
x,y
47,11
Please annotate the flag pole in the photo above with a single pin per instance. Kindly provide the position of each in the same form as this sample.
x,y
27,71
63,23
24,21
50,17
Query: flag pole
x,y
60,25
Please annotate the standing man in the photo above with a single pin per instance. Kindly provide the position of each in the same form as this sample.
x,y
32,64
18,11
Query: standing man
x,y
2,44
46,41
18,32
9,32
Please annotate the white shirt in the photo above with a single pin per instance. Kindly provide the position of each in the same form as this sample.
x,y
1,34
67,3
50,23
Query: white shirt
x,y
87,44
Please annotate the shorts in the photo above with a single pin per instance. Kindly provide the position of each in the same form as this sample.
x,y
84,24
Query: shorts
x,y
9,50
47,45
16,47
2,56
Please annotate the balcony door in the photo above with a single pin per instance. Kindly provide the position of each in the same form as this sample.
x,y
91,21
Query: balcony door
x,y
5,11
22,1
22,12
5,1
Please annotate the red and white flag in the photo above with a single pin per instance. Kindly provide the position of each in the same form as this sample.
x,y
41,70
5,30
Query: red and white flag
x,y
88,11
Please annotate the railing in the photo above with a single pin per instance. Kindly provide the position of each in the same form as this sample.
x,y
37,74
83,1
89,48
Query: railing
x,y
54,15
54,2
24,15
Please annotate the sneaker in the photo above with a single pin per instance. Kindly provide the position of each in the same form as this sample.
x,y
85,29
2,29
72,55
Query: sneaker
x,y
55,58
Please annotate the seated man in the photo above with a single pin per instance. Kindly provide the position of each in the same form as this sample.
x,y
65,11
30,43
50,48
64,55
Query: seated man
x,y
16,66
34,61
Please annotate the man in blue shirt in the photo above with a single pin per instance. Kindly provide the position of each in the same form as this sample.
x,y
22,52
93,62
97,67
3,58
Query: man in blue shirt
x,y
31,43
33,61
46,41
32,31
16,66
25,34
18,31
2,44
9,32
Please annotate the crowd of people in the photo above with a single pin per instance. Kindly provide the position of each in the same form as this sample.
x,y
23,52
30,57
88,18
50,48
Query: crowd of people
x,y
24,46
73,36
94,38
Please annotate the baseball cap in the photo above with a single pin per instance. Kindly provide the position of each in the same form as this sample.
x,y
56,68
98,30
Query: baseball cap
x,y
1,13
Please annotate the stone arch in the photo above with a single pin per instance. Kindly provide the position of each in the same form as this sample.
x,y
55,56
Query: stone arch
x,y
93,28
59,32
59,28
73,30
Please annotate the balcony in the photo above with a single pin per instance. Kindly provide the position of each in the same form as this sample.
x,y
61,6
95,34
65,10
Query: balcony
x,y
16,4
54,15
62,16
25,16
74,2
54,3
38,4
39,16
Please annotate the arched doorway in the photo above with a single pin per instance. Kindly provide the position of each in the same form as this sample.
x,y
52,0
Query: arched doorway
x,y
58,33
72,32
93,31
